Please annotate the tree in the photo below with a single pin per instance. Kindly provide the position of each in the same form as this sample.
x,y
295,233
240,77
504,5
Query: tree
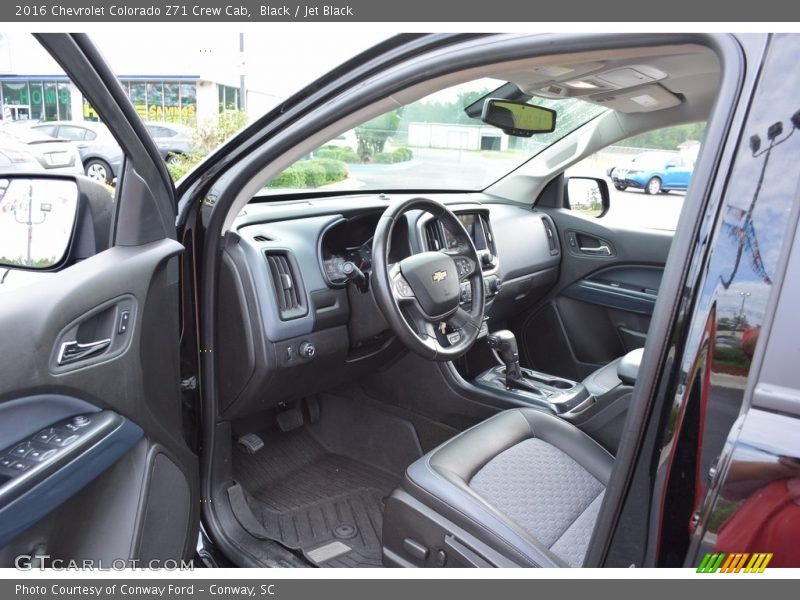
x,y
373,134
207,138
667,138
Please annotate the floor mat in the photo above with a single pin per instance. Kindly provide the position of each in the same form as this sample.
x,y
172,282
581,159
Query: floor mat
x,y
326,505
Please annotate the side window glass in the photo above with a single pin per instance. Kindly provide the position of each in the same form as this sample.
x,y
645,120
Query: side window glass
x,y
647,175
47,130
74,134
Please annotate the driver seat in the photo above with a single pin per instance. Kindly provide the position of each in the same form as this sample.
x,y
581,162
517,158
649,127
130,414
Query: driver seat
x,y
522,488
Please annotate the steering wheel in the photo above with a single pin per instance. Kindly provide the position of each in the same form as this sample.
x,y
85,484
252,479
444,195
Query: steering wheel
x,y
419,296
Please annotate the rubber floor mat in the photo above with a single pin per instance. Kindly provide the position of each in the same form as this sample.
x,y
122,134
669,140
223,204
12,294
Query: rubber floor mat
x,y
326,505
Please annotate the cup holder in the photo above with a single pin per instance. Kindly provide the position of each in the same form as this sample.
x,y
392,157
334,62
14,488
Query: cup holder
x,y
561,384
546,381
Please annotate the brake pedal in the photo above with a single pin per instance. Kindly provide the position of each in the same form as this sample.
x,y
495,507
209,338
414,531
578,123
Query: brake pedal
x,y
290,419
250,443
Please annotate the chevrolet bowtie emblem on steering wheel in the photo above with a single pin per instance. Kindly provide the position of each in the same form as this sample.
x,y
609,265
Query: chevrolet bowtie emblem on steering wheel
x,y
439,276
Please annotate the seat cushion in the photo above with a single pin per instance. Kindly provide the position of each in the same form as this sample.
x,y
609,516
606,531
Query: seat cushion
x,y
525,482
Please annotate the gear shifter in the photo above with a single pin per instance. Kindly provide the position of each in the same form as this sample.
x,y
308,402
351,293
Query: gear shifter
x,y
505,344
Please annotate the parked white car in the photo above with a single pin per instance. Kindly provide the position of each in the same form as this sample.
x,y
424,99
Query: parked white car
x,y
54,155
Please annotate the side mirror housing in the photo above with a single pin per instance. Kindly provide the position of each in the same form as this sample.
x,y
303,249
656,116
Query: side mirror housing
x,y
587,195
50,221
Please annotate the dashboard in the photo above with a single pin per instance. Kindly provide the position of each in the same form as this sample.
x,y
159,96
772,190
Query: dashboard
x,y
290,321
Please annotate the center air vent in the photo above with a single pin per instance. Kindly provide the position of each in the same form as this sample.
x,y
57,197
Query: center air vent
x,y
288,285
434,239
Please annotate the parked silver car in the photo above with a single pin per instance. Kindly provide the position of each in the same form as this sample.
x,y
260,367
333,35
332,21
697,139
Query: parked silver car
x,y
173,140
100,153
16,158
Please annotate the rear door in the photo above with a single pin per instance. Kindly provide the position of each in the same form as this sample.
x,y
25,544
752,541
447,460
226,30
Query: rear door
x,y
677,174
90,392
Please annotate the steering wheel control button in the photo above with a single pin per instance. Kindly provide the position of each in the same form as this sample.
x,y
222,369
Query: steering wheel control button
x,y
307,350
454,338
463,266
402,287
466,292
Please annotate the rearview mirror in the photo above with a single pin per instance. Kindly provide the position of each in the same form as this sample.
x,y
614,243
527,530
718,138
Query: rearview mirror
x,y
49,221
587,195
517,118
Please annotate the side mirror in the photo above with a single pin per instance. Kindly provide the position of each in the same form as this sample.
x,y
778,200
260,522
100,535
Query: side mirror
x,y
48,222
587,195
517,118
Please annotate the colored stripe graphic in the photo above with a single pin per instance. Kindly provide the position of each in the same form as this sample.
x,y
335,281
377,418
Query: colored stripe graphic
x,y
734,563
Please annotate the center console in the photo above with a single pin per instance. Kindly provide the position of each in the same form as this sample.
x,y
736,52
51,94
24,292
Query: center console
x,y
561,396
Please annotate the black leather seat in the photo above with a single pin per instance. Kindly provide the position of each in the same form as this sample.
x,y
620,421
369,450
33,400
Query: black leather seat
x,y
527,484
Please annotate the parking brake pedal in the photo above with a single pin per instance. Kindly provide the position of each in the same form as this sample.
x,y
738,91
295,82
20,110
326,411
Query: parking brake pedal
x,y
251,443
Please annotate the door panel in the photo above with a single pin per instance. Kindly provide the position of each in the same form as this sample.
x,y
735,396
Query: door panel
x,y
128,390
601,306
90,396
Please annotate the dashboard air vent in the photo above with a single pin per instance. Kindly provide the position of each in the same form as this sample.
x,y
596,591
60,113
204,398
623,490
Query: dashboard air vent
x,y
433,235
289,291
261,238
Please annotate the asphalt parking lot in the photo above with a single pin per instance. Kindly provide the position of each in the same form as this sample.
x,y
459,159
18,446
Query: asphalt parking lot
x,y
635,209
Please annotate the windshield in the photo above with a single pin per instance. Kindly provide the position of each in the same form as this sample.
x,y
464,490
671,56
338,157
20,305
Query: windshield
x,y
431,144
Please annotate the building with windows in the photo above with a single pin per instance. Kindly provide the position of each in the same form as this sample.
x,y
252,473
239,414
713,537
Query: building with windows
x,y
186,85
456,137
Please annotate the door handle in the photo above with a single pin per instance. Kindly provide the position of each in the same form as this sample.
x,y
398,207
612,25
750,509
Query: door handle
x,y
603,250
72,351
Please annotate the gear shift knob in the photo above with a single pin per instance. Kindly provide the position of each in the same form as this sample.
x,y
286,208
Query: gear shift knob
x,y
505,344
